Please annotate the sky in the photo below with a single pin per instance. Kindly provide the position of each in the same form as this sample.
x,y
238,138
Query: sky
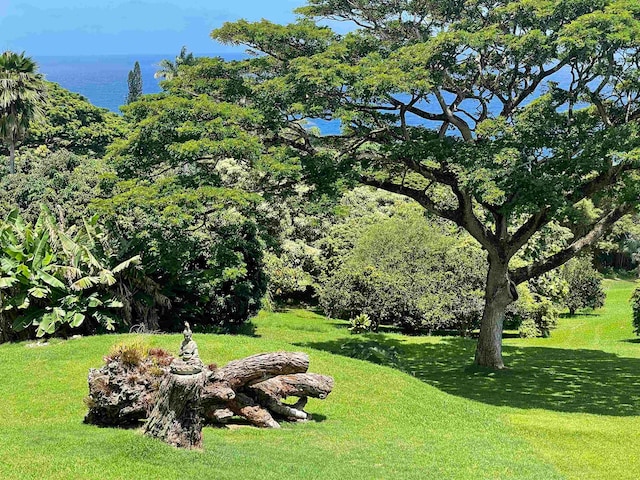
x,y
104,27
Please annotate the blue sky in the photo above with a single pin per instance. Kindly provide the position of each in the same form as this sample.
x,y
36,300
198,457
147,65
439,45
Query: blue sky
x,y
100,27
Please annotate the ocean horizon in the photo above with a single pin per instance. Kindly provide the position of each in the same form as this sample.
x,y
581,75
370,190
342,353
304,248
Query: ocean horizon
x,y
102,79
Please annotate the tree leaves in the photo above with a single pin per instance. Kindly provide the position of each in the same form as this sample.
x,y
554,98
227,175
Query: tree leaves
x,y
38,292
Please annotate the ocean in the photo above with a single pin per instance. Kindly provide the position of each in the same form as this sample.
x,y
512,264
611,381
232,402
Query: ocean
x,y
103,79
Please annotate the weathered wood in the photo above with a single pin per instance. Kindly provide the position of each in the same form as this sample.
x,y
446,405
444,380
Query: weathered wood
x,y
246,407
296,385
217,392
252,388
259,367
217,414
176,418
271,392
122,394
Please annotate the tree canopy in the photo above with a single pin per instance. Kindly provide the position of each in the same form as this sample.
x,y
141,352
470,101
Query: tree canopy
x,y
502,118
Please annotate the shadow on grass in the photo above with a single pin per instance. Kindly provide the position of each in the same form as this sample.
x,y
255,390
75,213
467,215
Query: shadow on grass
x,y
238,422
579,314
584,381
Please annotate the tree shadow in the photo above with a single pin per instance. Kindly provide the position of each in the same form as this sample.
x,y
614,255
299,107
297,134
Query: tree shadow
x,y
588,313
246,329
581,381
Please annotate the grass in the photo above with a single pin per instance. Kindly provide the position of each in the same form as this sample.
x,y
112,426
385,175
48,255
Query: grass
x,y
568,407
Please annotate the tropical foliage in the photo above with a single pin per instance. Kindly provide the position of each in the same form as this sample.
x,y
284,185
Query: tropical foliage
x,y
168,70
22,95
63,181
54,280
499,118
409,272
71,123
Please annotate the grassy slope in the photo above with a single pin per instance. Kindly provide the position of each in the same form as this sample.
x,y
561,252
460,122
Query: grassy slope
x,y
600,364
567,408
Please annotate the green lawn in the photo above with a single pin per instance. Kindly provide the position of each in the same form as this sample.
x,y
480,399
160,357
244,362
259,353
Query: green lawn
x,y
569,407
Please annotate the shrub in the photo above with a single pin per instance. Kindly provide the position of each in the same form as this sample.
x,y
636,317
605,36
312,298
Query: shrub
x,y
291,273
411,273
585,288
532,314
66,183
199,245
360,324
54,280
528,329
130,353
635,304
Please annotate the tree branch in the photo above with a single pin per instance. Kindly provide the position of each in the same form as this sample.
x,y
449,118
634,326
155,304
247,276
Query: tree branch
x,y
419,196
523,274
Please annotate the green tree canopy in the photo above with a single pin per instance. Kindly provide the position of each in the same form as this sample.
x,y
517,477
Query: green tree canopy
x,y
69,121
134,81
502,118
168,69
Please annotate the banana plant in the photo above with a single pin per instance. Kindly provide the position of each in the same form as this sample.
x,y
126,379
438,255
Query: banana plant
x,y
52,277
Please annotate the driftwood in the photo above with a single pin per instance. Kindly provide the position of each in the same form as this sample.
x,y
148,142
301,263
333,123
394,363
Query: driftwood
x,y
273,391
254,388
186,394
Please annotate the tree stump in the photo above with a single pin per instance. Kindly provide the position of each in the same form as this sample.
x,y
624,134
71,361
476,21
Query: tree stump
x,y
176,418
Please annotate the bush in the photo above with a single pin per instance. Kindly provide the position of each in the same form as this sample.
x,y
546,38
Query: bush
x,y
585,288
411,273
360,324
291,273
635,304
198,246
532,314
130,353
66,183
54,280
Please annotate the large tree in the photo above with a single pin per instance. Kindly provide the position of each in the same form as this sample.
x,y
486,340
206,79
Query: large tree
x,y
134,81
502,117
22,95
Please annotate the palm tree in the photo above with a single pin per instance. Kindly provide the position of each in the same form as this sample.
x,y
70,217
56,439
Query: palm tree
x,y
22,95
169,70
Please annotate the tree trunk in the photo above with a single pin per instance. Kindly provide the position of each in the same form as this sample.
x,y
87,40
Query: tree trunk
x,y
12,157
4,328
499,293
260,367
273,391
176,417
247,407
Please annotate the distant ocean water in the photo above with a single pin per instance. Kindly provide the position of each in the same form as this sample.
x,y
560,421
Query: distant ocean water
x,y
103,79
